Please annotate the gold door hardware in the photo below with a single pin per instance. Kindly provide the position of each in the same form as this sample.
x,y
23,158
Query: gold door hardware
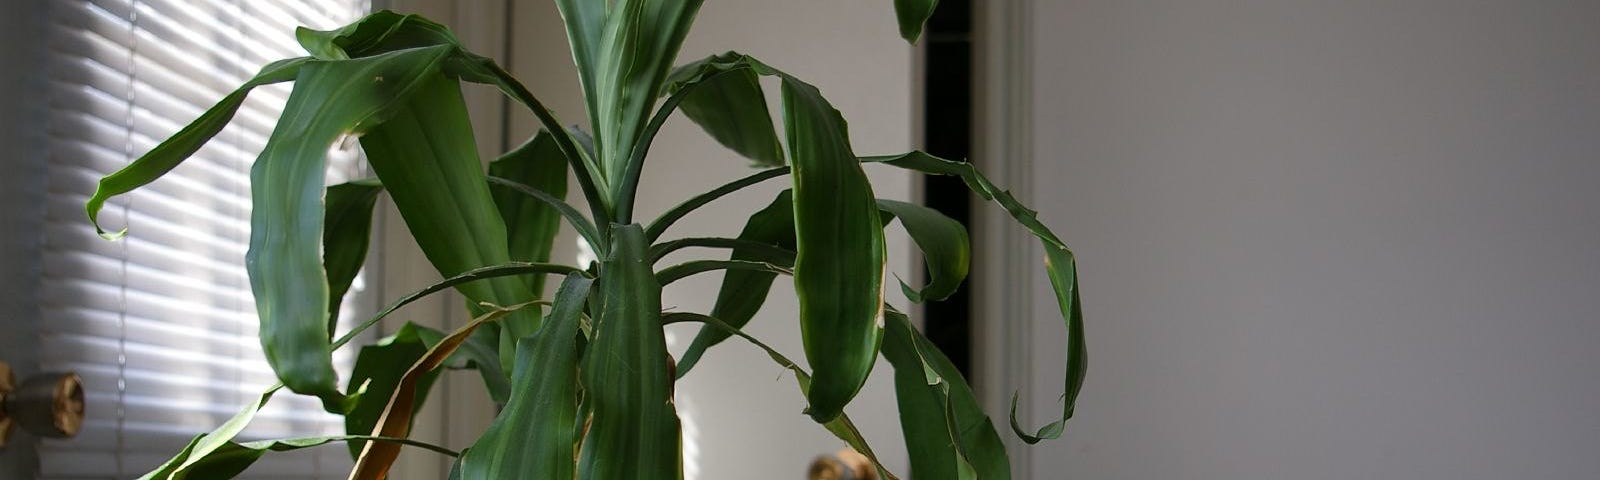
x,y
46,405
845,464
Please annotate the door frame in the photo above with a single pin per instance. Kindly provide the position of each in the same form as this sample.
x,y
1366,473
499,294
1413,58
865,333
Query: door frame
x,y
1006,258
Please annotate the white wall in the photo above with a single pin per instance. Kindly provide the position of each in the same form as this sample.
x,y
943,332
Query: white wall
x,y
745,413
1323,240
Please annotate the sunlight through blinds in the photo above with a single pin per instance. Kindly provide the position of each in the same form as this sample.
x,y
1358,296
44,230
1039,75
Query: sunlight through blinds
x,y
161,324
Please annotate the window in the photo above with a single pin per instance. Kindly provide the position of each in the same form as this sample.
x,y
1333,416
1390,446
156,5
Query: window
x,y
161,324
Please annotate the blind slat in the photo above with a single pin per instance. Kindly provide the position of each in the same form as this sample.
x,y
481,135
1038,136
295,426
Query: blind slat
x,y
162,324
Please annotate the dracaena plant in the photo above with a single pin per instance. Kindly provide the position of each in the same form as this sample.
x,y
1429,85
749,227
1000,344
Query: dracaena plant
x,y
583,379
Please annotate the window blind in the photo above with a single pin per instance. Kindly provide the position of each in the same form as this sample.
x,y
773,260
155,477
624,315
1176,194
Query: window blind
x,y
161,324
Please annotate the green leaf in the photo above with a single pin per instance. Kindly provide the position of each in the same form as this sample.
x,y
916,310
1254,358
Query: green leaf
x,y
945,248
177,148
232,458
481,352
763,251
377,374
586,23
726,100
677,212
207,444
346,233
841,426
531,225
693,267
585,229
912,14
634,429
428,161
478,274
380,32
744,291
1060,265
640,42
376,457
330,99
532,436
840,264
574,146
947,434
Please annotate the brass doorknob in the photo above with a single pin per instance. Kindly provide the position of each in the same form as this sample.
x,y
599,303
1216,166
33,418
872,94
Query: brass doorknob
x,y
46,405
846,464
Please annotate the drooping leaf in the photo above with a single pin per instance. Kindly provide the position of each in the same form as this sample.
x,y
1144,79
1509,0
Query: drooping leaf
x,y
207,444
346,233
677,212
762,251
575,147
841,426
428,161
376,376
627,382
693,267
947,434
744,291
532,436
377,457
474,275
380,32
840,264
945,248
1060,265
717,95
175,149
840,261
585,229
232,458
913,14
330,99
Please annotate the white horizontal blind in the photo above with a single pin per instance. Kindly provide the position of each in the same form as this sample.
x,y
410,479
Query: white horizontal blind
x,y
161,324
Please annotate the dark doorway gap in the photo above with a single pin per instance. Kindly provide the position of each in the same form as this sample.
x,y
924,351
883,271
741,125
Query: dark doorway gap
x,y
947,132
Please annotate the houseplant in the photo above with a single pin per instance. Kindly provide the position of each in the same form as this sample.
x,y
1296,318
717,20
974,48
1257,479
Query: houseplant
x,y
583,378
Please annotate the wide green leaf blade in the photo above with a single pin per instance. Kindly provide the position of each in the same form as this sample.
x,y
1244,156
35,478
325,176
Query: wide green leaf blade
x,y
947,434
428,161
532,436
586,23
531,225
377,374
840,261
726,100
945,248
1060,265
177,148
640,42
627,379
744,291
380,32
346,233
574,146
912,15
330,99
